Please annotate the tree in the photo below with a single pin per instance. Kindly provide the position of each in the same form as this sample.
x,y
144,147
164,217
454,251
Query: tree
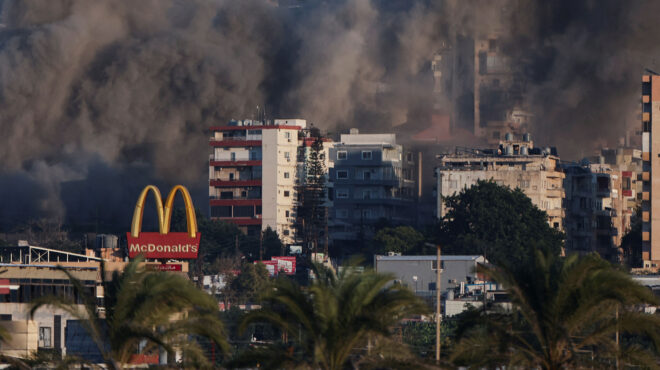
x,y
271,244
332,317
311,210
401,239
497,222
140,305
248,284
567,311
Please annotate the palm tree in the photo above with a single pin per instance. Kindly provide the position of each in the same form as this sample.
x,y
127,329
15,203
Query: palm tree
x,y
142,306
332,317
566,312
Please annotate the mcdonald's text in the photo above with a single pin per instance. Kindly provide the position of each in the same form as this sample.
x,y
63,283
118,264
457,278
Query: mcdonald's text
x,y
163,246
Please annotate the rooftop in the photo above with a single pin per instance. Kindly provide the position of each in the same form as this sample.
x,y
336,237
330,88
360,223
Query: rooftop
x,y
429,258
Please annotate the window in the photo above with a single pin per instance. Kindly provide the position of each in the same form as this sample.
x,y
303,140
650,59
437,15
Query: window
x,y
221,211
286,193
366,175
285,232
341,155
287,135
233,156
286,175
44,337
434,265
227,195
342,174
286,214
342,193
243,211
366,155
409,157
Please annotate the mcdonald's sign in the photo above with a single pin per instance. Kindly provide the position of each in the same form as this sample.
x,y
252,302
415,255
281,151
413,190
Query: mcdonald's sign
x,y
163,244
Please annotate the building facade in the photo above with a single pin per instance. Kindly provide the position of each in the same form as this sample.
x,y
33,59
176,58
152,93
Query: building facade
x,y
595,208
373,179
516,164
252,174
651,171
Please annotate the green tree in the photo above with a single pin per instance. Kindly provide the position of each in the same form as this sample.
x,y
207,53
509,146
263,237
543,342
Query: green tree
x,y
566,311
271,244
497,222
332,317
401,239
311,210
140,305
246,287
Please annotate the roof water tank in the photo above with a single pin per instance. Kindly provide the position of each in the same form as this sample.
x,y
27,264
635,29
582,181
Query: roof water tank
x,y
508,150
527,137
508,136
524,150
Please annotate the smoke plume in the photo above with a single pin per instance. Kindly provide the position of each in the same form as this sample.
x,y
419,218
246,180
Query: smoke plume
x,y
115,94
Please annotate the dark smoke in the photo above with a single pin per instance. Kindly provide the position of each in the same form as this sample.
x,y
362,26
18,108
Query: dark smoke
x,y
91,88
116,94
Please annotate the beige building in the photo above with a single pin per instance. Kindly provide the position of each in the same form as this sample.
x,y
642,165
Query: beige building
x,y
651,171
516,164
252,174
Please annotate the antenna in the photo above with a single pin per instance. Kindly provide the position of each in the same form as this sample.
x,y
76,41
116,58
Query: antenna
x,y
652,72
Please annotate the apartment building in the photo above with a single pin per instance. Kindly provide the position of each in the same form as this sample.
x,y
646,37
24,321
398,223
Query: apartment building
x,y
252,174
373,179
516,164
595,209
651,171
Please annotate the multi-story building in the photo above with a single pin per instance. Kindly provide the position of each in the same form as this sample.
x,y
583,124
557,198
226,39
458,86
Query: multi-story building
x,y
651,171
252,173
594,209
516,164
373,179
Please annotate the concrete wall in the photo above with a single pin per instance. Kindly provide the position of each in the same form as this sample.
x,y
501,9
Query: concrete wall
x,y
405,268
279,169
24,338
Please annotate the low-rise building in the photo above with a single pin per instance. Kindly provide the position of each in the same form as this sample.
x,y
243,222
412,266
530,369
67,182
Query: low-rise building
x,y
516,164
419,273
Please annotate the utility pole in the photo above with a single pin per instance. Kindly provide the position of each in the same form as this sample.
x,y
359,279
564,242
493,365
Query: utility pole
x,y
438,297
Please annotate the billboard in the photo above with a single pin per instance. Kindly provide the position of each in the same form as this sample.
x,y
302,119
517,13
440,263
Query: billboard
x,y
164,244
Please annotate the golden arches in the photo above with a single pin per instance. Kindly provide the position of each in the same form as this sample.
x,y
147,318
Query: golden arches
x,y
191,219
164,215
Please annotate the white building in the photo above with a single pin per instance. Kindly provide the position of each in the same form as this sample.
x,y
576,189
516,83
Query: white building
x,y
252,174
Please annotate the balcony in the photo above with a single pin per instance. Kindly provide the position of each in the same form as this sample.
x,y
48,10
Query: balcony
x,y
234,142
234,202
240,221
250,163
235,183
555,193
